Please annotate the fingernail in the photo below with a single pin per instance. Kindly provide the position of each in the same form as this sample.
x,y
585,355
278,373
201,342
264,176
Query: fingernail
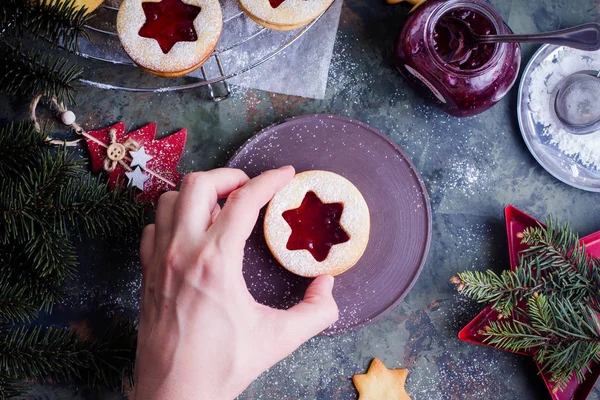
x,y
286,167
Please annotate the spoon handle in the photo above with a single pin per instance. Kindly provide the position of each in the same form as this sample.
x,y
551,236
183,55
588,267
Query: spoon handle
x,y
583,37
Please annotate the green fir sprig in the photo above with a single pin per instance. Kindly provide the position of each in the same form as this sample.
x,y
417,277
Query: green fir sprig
x,y
33,72
548,305
63,355
47,202
58,21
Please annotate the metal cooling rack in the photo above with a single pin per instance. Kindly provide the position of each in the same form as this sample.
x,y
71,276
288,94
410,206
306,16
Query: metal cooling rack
x,y
244,45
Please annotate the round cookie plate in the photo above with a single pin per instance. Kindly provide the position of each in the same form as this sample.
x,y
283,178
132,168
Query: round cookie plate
x,y
398,204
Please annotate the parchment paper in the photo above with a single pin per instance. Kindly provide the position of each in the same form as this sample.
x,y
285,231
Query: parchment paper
x,y
302,69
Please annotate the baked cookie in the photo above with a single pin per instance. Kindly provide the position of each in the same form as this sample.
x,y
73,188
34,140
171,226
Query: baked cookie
x,y
169,38
380,383
318,224
284,15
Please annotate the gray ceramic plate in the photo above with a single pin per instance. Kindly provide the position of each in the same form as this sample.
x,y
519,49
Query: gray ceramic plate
x,y
397,199
563,167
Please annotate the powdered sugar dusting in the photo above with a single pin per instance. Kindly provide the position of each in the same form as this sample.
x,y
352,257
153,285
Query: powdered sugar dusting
x,y
184,55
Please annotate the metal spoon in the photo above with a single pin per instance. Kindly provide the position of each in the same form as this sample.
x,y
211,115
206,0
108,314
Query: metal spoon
x,y
576,102
583,37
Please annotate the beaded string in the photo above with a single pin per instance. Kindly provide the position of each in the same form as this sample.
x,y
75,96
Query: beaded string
x,y
116,153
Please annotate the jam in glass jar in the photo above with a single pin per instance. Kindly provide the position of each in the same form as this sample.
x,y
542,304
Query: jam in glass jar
x,y
465,78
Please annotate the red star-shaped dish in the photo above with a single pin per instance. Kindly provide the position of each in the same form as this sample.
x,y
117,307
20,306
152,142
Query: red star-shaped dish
x,y
165,154
169,22
315,226
516,222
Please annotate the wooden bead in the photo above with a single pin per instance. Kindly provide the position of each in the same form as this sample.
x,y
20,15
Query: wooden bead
x,y
68,117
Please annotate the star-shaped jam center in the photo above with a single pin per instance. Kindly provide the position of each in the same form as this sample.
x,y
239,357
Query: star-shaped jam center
x,y
315,226
276,3
169,22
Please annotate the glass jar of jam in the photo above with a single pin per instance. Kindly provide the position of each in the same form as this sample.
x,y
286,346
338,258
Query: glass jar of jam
x,y
465,78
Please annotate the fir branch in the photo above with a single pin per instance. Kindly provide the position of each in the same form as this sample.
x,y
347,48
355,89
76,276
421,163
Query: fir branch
x,y
28,201
557,252
63,355
556,264
565,337
16,304
38,354
552,301
11,387
52,254
17,270
502,291
60,22
90,205
33,72
20,146
114,355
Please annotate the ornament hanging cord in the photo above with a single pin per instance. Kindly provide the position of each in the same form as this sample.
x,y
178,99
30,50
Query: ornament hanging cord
x,y
110,160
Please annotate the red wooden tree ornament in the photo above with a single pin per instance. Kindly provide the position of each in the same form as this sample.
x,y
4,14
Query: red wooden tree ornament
x,y
160,167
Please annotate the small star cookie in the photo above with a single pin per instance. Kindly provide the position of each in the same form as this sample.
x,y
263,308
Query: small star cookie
x,y
380,383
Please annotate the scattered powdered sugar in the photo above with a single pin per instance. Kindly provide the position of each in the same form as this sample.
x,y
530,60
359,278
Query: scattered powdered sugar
x,y
544,78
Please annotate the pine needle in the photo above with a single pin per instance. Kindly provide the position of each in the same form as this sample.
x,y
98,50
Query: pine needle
x,y
33,72
60,22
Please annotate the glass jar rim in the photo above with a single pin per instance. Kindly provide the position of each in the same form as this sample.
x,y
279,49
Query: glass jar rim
x,y
488,11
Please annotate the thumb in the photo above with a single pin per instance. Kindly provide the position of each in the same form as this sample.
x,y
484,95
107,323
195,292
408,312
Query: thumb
x,y
315,313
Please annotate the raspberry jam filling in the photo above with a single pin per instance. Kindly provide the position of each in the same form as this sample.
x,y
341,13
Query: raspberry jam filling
x,y
169,22
315,226
449,37
276,3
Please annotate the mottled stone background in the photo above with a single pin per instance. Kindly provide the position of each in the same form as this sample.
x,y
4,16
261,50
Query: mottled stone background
x,y
472,167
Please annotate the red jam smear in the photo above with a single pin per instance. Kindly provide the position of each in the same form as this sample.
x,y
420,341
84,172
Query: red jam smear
x,y
169,22
315,226
276,3
449,34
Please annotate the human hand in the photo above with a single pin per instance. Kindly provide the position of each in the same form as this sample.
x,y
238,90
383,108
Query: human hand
x,y
201,334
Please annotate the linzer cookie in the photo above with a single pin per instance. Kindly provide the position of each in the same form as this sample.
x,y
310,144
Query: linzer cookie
x,y
318,224
284,15
169,38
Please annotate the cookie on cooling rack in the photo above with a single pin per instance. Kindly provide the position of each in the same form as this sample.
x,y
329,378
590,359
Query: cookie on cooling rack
x,y
318,224
284,15
169,38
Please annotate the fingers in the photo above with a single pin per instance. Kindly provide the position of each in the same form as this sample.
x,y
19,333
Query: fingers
x,y
310,317
147,247
164,221
148,265
198,197
215,213
238,216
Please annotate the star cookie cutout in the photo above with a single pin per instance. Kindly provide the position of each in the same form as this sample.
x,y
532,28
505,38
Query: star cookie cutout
x,y
169,22
380,383
315,226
